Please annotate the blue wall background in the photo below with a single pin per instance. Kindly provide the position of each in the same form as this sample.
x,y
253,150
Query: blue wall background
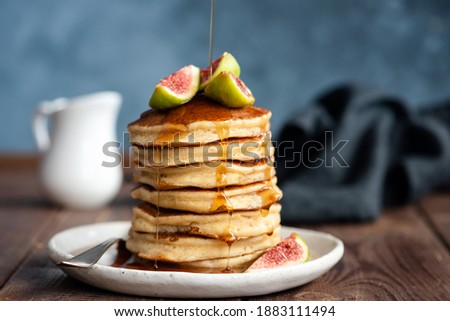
x,y
289,50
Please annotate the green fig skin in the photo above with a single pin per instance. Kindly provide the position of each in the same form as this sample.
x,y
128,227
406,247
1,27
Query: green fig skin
x,y
224,63
302,242
225,89
164,98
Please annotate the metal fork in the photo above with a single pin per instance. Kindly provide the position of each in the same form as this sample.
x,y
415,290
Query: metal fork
x,y
89,257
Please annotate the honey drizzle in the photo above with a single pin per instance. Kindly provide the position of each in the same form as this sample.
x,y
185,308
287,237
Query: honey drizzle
x,y
264,212
211,37
268,168
221,201
269,194
223,130
158,180
128,260
267,145
171,134
230,238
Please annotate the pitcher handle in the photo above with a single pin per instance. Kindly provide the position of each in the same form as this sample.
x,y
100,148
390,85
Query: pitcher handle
x,y
40,121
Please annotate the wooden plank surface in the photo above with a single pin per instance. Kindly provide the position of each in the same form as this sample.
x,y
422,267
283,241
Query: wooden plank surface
x,y
436,209
396,257
400,256
39,279
23,213
19,229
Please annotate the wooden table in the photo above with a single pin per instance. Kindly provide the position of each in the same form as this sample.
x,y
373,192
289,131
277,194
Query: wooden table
x,y
403,255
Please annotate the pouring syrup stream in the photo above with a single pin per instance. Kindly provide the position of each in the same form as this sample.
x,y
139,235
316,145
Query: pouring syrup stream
x,y
211,36
221,198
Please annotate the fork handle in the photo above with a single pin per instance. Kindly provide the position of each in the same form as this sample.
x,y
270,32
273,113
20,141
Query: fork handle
x,y
91,256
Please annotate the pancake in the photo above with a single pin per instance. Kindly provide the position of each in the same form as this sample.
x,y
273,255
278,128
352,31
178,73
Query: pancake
x,y
199,121
187,248
235,263
221,225
232,149
205,201
205,175
208,187
241,262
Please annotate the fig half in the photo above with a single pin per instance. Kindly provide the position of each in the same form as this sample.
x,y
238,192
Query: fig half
x,y
292,250
229,90
176,89
226,62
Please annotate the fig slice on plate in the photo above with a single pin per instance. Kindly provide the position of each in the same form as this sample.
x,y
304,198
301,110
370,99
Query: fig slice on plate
x,y
229,90
226,62
292,250
176,89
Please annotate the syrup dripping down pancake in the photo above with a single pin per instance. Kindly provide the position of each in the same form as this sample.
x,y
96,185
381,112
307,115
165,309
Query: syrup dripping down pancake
x,y
241,224
198,122
205,175
188,248
206,201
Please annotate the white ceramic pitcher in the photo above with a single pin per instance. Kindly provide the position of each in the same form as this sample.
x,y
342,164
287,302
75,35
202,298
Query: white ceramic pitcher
x,y
72,171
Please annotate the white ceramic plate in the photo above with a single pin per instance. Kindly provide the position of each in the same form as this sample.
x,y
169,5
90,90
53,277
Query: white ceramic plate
x,y
326,250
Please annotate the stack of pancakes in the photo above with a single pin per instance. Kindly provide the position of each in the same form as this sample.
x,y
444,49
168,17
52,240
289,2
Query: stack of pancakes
x,y
207,186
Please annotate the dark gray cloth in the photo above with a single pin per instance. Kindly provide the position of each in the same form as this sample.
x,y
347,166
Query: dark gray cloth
x,y
361,151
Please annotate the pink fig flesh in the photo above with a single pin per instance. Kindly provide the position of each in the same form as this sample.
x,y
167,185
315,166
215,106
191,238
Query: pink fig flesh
x,y
292,250
176,89
208,71
178,82
226,62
